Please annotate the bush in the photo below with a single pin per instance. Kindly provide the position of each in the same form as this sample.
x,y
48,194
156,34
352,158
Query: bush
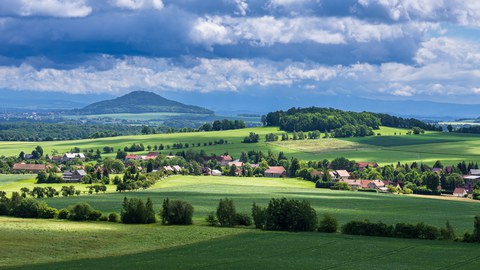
x,y
320,184
27,208
328,224
211,219
290,215
134,211
44,211
427,232
243,219
83,211
103,218
405,230
113,217
176,212
259,216
226,213
341,186
447,233
367,228
63,213
367,190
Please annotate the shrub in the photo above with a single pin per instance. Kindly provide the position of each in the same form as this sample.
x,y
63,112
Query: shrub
x,y
405,230
321,184
103,218
342,186
83,211
259,216
63,213
211,219
176,212
428,232
113,217
44,211
328,224
243,219
290,215
226,213
367,190
27,208
447,233
134,211
367,228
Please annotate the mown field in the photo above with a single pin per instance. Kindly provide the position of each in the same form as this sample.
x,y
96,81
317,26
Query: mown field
x,y
54,244
391,146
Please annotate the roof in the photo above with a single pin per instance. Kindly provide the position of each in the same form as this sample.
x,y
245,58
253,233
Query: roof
x,y
29,167
352,182
167,168
177,168
220,158
132,156
475,172
343,173
316,173
81,172
471,177
365,164
74,155
378,183
148,157
459,190
275,170
365,183
152,154
236,163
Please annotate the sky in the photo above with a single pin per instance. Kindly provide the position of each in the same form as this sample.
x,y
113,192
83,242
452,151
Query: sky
x,y
378,49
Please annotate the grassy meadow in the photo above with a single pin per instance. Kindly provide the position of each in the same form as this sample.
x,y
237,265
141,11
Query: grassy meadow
x,y
391,146
57,244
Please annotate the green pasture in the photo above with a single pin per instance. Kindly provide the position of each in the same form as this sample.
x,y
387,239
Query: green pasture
x,y
391,146
204,192
56,244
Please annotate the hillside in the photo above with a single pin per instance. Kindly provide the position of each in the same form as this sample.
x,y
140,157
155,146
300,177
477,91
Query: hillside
x,y
140,102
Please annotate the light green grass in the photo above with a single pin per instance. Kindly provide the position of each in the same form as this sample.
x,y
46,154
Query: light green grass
x,y
204,193
54,244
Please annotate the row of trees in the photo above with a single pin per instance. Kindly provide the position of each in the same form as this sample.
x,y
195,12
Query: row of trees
x,y
224,124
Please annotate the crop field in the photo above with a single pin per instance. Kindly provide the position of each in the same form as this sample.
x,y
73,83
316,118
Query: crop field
x,y
391,146
55,244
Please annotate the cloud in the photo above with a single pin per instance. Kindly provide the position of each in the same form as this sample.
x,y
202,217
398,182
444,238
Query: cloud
x,y
53,8
138,4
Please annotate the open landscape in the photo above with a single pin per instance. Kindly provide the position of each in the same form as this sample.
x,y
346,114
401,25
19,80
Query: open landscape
x,y
239,134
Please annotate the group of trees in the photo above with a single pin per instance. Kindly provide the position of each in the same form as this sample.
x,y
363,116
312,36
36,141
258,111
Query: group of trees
x,y
41,131
224,124
339,123
251,138
49,192
173,212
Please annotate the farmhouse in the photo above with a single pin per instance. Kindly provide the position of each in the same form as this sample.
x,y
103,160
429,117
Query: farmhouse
x,y
132,157
29,168
177,168
376,184
72,156
222,160
362,165
74,177
168,168
238,164
459,192
275,171
56,158
341,174
352,183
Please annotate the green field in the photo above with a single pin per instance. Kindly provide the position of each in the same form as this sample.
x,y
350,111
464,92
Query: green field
x,y
59,244
388,148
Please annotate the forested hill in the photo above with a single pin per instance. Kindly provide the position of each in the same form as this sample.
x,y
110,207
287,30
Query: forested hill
x,y
140,102
328,119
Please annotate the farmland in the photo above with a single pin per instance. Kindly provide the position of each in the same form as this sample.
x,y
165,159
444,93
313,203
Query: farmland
x,y
391,146
99,244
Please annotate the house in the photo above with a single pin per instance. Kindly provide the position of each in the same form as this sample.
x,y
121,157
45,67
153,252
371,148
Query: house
x,y
316,174
376,184
168,168
177,168
352,183
216,173
222,160
74,177
71,156
28,156
132,157
474,172
362,165
28,168
342,174
238,164
459,192
275,171
56,158
152,154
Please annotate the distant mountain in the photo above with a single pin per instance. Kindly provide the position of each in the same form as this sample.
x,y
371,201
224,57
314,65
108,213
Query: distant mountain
x,y
140,102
